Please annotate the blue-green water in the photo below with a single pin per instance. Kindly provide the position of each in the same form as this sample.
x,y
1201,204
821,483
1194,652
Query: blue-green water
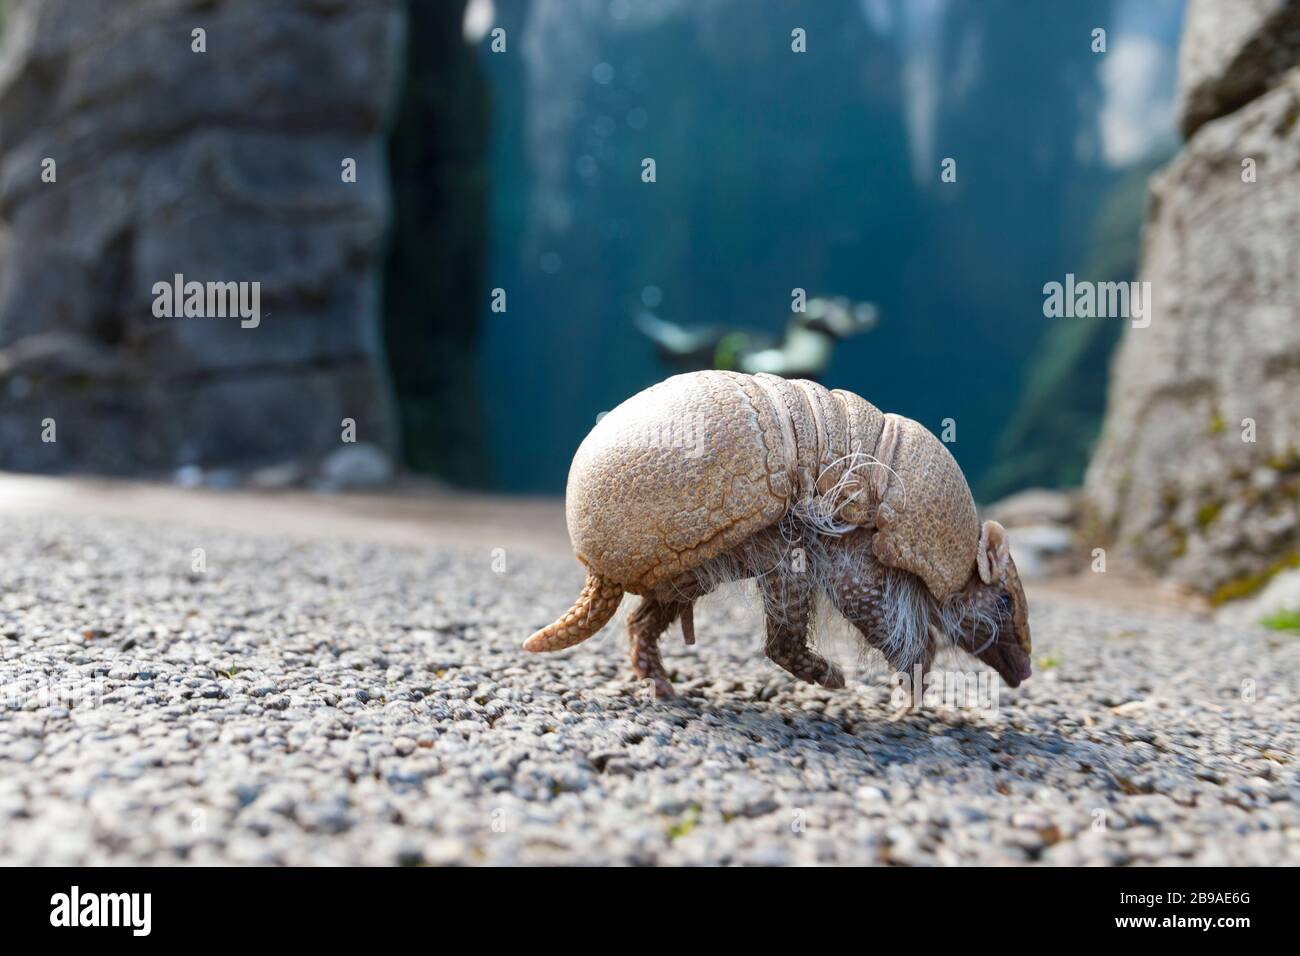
x,y
818,170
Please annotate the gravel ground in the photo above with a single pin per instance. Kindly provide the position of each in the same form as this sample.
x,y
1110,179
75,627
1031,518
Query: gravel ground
x,y
334,702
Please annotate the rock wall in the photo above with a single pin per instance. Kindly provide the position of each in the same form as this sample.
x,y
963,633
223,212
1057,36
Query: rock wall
x,y
220,166
1197,474
1232,52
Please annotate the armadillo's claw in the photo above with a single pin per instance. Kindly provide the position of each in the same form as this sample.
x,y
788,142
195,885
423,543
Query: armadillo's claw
x,y
648,665
833,678
807,666
661,688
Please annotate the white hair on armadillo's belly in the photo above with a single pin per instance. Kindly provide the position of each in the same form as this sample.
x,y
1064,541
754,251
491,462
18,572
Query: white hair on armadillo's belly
x,y
909,612
765,564
907,607
796,553
772,564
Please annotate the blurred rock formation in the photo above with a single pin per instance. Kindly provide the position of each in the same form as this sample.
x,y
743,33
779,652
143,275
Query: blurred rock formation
x,y
221,166
1233,51
1042,524
1177,481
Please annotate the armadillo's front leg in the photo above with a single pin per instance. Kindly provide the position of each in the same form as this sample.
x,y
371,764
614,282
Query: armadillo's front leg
x,y
859,593
789,649
787,605
644,627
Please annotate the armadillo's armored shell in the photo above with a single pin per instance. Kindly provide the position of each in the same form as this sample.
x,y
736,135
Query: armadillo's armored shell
x,y
693,466
865,422
925,519
677,474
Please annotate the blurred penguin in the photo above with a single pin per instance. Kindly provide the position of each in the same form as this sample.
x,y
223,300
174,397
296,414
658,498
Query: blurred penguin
x,y
803,352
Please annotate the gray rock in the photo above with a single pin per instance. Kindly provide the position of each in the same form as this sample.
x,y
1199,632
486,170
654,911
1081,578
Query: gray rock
x,y
1232,52
275,477
355,466
163,170
1041,549
1035,506
1281,594
1175,483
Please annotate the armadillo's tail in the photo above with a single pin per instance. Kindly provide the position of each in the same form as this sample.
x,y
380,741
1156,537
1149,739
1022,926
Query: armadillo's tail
x,y
592,611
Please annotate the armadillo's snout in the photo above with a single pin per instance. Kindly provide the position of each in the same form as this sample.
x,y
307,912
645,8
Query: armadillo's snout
x,y
1008,658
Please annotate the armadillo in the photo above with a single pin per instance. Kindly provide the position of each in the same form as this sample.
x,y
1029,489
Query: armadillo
x,y
716,476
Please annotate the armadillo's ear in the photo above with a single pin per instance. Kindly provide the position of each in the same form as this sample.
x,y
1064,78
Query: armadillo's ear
x,y
994,552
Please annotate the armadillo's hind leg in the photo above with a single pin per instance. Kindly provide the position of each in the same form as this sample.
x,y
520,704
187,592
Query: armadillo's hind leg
x,y
787,605
644,627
